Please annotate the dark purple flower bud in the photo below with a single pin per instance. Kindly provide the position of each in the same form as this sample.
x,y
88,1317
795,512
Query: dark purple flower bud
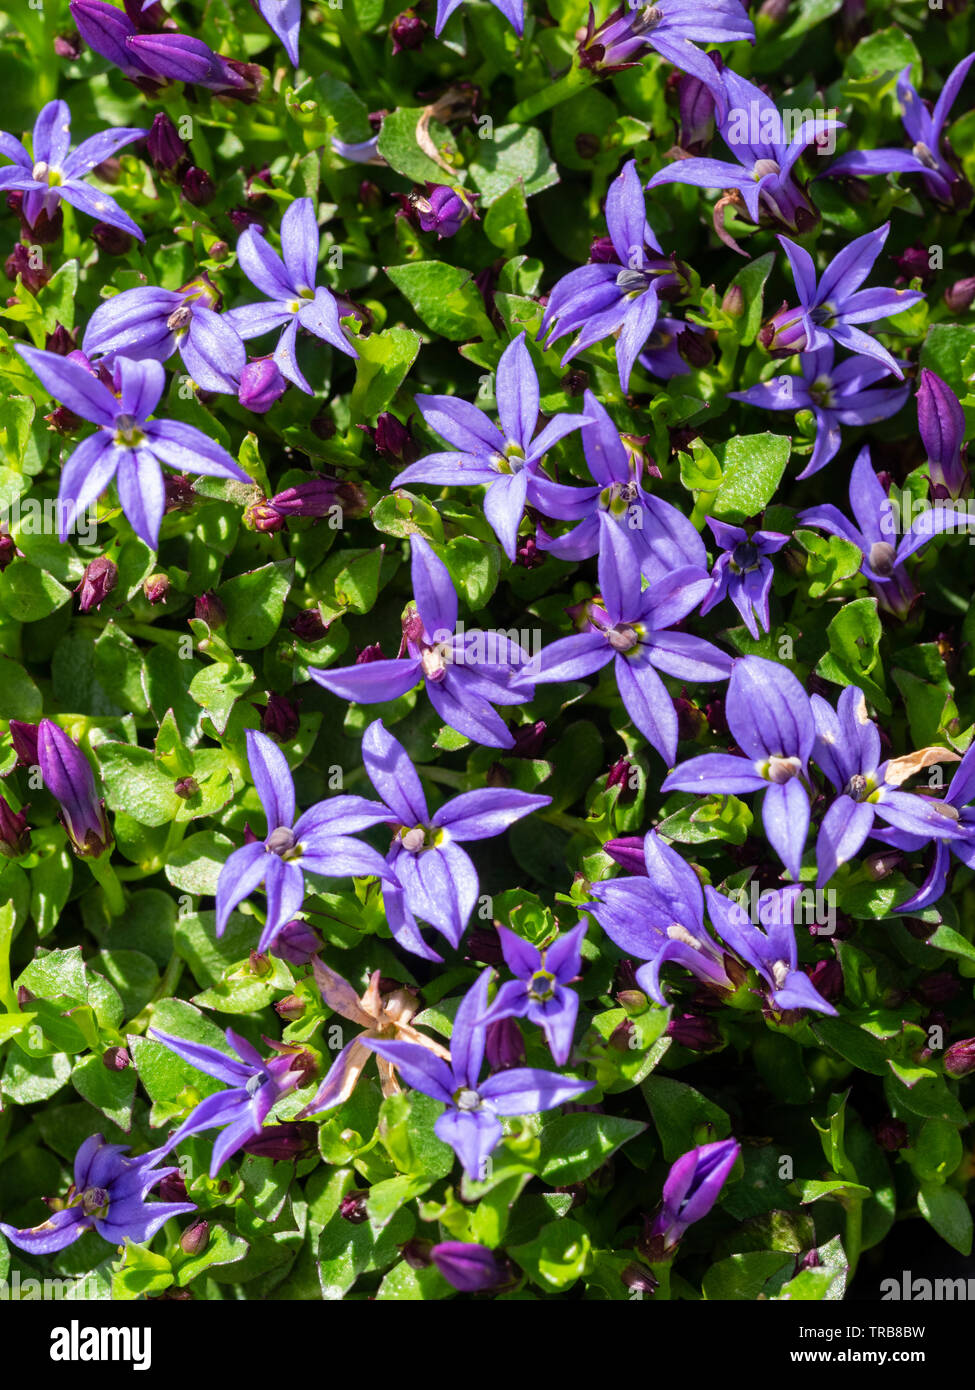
x,y
628,852
97,582
307,626
695,1033
297,943
914,263
314,498
68,777
416,1253
46,227
165,148
484,945
717,720
261,516
172,1188
637,1276
179,491
290,1008
242,218
691,721
504,1046
370,196
186,788
624,976
280,718
68,45
392,439
528,739
444,211
210,610
252,192
694,348
470,1268
116,1059
882,864
959,1060
407,31
892,1134
14,832
696,103
941,423
939,988
60,341
528,555
198,187
112,240
195,1238
827,977
621,1035
156,588
352,1207
784,333
292,1140
959,296
619,774
24,740
26,262
261,385
602,250
575,382
8,550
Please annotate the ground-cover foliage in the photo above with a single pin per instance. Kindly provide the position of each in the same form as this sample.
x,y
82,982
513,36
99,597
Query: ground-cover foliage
x,y
485,624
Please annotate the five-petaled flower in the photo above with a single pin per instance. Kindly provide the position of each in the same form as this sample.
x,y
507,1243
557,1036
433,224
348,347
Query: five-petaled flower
x,y
743,572
54,171
108,1195
128,445
470,1123
320,841
541,993
505,459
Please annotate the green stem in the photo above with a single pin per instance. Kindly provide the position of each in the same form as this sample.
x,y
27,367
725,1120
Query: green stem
x,y
108,880
576,80
853,1239
7,919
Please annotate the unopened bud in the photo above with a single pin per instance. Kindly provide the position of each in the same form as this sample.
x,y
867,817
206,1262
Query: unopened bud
x,y
97,582
959,296
116,1059
352,1207
195,1238
633,1002
280,718
156,588
198,187
259,964
114,241
291,1007
186,788
210,610
959,1060
733,303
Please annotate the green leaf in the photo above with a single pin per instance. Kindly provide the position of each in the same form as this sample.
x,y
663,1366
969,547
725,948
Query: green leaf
x,y
255,604
514,154
399,146
384,360
573,1146
682,1115
946,1210
558,1256
141,1272
741,1278
445,298
753,466
751,281
507,224
111,1092
28,594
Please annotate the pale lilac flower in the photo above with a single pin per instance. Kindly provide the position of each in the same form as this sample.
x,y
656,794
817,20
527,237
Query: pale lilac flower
x,y
631,628
289,281
771,721
839,395
960,795
506,459
465,672
128,446
430,876
768,947
55,171
470,1123
318,842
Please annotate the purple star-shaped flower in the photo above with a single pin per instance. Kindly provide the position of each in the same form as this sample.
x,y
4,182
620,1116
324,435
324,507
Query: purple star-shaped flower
x,y
839,395
754,131
771,721
693,1186
959,795
108,1195
614,296
430,876
831,305
672,28
743,572
128,445
662,538
319,842
465,672
769,948
470,1123
55,171
875,534
288,280
513,11
658,916
541,991
255,1085
631,629
506,460
150,324
848,751
929,154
